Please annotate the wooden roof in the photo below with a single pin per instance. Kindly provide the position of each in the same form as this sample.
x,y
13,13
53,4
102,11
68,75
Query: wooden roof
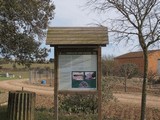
x,y
77,36
138,54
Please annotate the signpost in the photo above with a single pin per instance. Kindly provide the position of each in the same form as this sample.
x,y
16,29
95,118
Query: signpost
x,y
77,61
77,71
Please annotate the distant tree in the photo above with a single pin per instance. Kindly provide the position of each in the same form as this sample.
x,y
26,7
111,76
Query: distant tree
x,y
41,54
136,20
21,21
108,65
128,70
51,60
151,77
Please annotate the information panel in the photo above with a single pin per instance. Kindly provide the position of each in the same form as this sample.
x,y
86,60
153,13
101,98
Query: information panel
x,y
77,71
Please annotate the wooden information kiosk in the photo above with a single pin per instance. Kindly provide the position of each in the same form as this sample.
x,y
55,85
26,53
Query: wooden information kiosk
x,y
77,62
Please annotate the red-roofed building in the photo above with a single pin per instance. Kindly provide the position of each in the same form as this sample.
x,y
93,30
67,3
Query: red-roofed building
x,y
138,59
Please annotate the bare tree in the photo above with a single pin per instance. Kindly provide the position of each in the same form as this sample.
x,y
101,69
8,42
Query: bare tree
x,y
108,65
137,19
151,77
128,70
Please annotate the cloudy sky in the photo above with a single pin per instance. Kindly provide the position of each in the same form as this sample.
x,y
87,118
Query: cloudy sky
x,y
72,13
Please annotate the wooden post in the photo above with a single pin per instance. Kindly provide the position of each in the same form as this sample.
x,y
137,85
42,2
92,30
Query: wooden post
x,y
56,83
99,85
30,76
21,105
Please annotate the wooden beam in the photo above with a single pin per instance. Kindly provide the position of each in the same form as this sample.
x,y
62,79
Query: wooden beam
x,y
99,85
56,83
78,92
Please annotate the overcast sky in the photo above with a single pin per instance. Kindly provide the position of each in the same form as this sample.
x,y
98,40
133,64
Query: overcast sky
x,y
72,13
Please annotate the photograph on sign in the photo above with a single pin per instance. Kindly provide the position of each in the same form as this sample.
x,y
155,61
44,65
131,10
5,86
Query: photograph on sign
x,y
77,76
86,79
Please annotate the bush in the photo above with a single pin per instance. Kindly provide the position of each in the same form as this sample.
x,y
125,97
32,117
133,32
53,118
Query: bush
x,y
87,104
78,104
107,89
47,114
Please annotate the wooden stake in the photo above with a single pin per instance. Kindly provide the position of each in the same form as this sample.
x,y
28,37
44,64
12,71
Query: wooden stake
x,y
56,83
99,85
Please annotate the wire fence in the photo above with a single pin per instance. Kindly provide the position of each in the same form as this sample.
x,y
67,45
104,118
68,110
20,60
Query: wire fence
x,y
41,77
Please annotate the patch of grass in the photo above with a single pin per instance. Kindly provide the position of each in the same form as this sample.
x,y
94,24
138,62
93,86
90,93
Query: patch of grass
x,y
50,65
20,70
1,91
5,78
111,118
17,74
156,110
43,115
23,74
3,112
47,114
78,117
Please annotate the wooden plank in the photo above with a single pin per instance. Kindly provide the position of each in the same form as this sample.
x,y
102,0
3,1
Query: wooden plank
x,y
78,28
78,49
84,36
55,31
99,86
77,35
77,92
74,40
79,41
56,83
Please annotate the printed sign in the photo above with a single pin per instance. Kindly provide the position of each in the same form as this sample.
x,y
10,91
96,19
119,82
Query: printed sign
x,y
77,72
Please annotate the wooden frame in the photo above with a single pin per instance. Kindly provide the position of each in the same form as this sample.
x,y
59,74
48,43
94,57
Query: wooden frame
x,y
82,39
56,83
99,85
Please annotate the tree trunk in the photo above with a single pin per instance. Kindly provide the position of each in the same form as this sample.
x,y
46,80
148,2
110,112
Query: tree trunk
x,y
125,84
144,86
21,105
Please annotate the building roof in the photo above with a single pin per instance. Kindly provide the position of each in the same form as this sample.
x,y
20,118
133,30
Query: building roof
x,y
137,54
77,36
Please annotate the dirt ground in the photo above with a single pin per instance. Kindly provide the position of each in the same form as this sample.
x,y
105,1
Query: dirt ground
x,y
126,106
18,84
135,99
42,90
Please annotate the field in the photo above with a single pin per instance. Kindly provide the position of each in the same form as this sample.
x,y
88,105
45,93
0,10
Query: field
x,y
20,71
122,111
123,106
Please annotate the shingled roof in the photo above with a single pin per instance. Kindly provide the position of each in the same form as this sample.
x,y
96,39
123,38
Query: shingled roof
x,y
77,36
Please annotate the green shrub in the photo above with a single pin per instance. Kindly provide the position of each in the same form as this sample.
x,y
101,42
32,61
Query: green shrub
x,y
78,117
47,114
87,104
43,115
78,104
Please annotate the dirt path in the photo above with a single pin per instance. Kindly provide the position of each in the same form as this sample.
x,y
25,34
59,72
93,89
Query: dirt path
x,y
18,84
132,98
135,99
